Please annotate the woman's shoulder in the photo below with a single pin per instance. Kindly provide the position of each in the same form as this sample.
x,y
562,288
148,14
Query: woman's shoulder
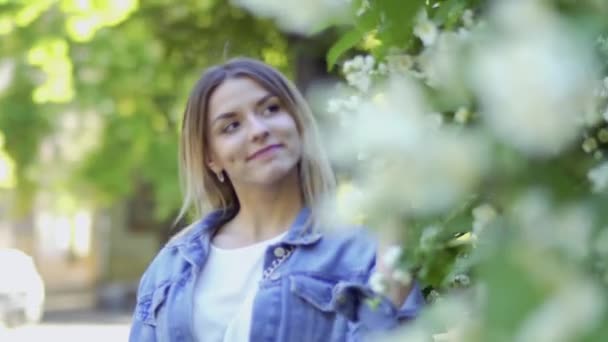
x,y
169,260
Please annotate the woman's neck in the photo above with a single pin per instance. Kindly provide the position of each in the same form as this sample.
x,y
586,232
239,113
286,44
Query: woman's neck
x,y
269,211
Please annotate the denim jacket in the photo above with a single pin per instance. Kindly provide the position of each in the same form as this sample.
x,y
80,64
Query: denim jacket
x,y
314,288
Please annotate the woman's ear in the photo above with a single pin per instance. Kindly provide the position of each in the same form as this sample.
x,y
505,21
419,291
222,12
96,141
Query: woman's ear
x,y
215,168
213,165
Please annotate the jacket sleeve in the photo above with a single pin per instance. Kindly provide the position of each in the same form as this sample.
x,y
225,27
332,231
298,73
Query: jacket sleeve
x,y
143,329
141,332
370,312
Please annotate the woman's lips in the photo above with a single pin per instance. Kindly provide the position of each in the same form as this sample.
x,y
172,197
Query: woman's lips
x,y
264,151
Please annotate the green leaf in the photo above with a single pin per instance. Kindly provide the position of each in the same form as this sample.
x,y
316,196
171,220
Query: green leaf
x,y
346,42
396,29
449,12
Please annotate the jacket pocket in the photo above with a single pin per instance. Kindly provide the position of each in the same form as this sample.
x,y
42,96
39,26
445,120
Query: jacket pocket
x,y
317,292
311,313
149,305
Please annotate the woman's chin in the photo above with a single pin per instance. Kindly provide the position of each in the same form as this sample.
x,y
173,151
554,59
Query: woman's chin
x,y
274,176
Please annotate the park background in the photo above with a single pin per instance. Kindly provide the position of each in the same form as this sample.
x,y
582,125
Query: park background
x,y
472,130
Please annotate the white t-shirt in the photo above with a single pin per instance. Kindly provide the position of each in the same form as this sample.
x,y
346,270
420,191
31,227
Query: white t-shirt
x,y
224,292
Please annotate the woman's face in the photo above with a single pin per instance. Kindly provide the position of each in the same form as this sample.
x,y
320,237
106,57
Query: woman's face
x,y
251,135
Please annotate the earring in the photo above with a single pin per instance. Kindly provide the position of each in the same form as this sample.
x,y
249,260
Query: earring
x,y
220,176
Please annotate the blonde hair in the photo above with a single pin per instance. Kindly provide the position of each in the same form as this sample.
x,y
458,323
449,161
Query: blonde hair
x,y
201,188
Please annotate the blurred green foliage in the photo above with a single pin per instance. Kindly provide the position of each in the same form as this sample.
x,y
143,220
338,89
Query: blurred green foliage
x,y
128,63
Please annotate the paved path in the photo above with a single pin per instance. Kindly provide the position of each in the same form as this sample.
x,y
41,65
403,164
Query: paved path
x,y
74,325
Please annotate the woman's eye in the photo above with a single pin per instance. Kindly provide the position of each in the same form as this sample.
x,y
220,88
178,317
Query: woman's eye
x,y
271,109
230,127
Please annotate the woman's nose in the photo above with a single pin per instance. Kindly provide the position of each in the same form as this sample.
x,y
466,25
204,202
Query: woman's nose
x,y
258,128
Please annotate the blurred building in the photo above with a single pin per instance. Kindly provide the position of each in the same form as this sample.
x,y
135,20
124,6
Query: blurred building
x,y
80,254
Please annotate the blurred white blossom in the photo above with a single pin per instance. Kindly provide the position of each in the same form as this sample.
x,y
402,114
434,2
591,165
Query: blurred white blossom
x,y
467,18
601,89
462,115
601,243
441,64
482,216
426,29
377,282
599,177
549,323
402,277
533,78
365,5
461,280
445,321
598,155
391,256
573,228
602,43
413,333
7,70
602,135
428,236
567,228
297,16
436,119
590,145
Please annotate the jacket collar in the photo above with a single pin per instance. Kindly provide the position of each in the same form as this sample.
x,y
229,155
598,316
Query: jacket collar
x,y
302,231
194,243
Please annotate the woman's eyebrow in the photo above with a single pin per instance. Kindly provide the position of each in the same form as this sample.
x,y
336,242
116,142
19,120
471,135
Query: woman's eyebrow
x,y
224,116
264,99
229,115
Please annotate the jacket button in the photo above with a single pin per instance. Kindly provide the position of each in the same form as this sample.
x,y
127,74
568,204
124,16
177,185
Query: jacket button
x,y
279,252
275,276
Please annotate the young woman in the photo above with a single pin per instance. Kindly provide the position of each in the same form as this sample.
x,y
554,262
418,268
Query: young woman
x,y
260,266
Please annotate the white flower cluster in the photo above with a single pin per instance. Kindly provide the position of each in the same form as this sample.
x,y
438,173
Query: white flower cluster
x,y
379,282
359,72
340,105
423,167
399,63
436,61
534,80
